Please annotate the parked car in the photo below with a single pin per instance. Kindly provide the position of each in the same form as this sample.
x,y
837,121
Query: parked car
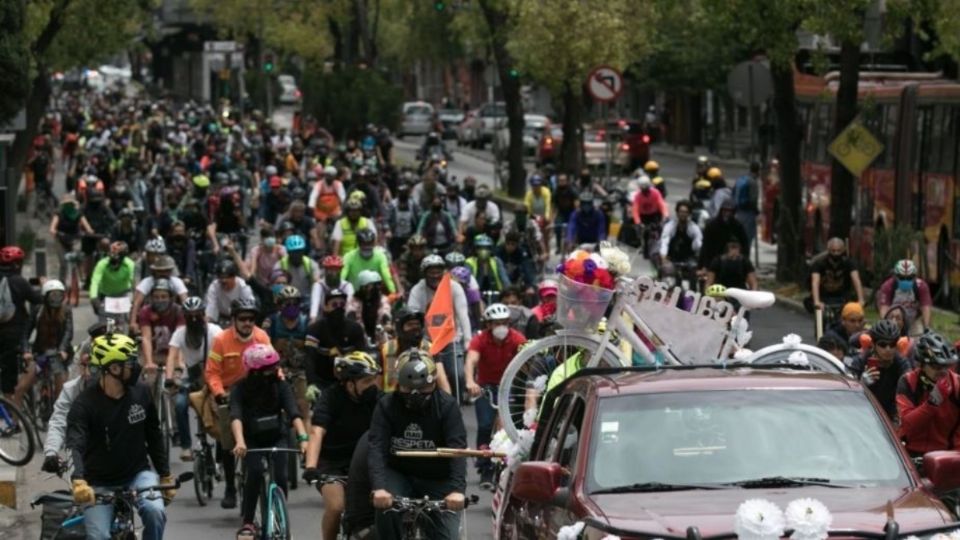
x,y
289,91
648,453
449,120
483,125
548,149
533,129
419,118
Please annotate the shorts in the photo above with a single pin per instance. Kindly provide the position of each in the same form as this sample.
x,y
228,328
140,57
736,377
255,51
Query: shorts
x,y
334,467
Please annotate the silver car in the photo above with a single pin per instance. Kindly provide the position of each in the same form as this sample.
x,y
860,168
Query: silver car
x,y
418,119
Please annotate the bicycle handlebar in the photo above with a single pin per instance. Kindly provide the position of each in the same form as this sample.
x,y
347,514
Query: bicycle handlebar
x,y
405,504
271,450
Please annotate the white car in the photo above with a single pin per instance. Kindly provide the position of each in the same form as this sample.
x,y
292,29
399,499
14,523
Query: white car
x,y
418,118
289,92
533,129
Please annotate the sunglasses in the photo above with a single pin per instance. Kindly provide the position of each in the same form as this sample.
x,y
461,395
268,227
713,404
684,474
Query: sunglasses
x,y
246,319
886,344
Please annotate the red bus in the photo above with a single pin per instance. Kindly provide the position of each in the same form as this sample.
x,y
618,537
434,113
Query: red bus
x,y
913,181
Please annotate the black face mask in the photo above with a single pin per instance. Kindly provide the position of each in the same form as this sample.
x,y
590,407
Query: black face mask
x,y
436,207
415,402
337,316
410,339
835,258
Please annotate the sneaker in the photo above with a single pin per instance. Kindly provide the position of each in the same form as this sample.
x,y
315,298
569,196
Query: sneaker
x,y
186,454
229,499
247,532
486,480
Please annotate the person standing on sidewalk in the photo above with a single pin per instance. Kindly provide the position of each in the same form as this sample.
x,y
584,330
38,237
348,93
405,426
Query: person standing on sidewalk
x,y
746,193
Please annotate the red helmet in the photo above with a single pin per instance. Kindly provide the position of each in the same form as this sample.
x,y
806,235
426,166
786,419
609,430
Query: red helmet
x,y
11,255
332,261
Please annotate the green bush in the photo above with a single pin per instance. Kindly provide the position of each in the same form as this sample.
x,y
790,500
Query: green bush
x,y
345,100
891,245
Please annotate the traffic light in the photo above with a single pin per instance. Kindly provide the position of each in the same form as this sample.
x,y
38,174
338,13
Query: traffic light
x,y
268,63
439,5
514,73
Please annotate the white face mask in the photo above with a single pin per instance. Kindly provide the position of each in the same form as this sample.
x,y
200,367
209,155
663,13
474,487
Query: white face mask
x,y
500,332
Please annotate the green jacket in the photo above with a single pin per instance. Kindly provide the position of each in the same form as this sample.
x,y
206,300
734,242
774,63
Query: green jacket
x,y
106,281
353,264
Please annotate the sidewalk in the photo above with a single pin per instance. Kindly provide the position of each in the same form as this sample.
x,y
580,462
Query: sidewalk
x,y
665,149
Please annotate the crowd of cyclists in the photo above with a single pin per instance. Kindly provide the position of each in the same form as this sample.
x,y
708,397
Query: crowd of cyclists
x,y
286,276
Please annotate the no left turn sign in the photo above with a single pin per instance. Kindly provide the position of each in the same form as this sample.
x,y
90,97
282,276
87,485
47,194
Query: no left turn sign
x,y
605,83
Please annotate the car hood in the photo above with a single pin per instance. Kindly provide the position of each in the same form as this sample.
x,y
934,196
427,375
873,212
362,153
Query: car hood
x,y
671,513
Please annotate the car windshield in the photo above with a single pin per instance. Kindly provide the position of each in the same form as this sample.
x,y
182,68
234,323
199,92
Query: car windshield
x,y
419,110
729,437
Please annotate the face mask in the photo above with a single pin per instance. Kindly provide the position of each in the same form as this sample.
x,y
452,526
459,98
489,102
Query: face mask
x,y
160,305
296,259
586,206
835,258
366,253
336,316
290,312
437,207
483,253
269,242
905,284
415,402
500,332
332,279
276,288
468,191
54,301
70,211
411,338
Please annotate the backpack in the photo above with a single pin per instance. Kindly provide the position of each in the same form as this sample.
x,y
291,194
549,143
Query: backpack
x,y
7,306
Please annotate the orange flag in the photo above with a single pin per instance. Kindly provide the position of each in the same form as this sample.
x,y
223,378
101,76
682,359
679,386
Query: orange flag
x,y
439,319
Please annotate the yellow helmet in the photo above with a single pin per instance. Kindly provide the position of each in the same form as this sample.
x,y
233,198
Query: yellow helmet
x,y
112,348
714,173
702,183
355,365
201,181
651,166
717,291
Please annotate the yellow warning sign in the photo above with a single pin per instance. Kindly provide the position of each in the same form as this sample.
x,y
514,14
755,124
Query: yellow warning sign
x,y
855,148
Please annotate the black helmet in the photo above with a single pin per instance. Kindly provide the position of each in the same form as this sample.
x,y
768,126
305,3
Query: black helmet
x,y
884,330
243,305
366,236
415,369
406,314
226,267
162,284
933,349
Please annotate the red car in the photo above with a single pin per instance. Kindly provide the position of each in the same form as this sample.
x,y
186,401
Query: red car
x,y
548,150
672,452
633,143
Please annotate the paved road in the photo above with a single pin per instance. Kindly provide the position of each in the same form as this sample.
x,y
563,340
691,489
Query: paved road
x,y
188,520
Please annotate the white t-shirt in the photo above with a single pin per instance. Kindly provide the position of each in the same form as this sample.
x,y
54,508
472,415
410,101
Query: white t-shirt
x,y
146,284
192,357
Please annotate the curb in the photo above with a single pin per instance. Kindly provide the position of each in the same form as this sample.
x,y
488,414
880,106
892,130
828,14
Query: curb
x,y
726,162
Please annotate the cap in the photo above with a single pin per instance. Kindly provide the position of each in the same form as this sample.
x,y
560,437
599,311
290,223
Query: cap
x,y
275,181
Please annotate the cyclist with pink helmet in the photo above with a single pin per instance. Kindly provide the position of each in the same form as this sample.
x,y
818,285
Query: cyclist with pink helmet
x,y
547,290
259,404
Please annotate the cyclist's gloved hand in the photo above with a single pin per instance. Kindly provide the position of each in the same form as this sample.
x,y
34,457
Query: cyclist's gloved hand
x,y
868,378
939,391
313,392
82,492
311,475
222,399
168,494
51,464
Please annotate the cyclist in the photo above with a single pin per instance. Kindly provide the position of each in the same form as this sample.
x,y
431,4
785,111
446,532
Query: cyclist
x,y
66,226
112,276
344,235
718,231
880,366
224,291
905,289
487,357
719,192
834,277
153,250
332,265
849,325
928,399
303,224
537,200
518,262
403,217
367,258
547,308
341,416
410,334
681,238
259,406
162,268
262,259
486,267
158,321
652,169
481,204
189,346
225,367
369,306
287,329
302,269
408,266
416,417
587,224
565,202
331,336
327,197
438,227
649,210
53,321
128,230
522,318
13,323
732,269
113,432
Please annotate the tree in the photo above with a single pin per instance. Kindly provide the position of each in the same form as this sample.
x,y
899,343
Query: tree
x,y
558,42
14,60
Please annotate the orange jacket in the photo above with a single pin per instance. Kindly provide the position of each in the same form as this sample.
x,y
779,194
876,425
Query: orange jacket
x,y
225,360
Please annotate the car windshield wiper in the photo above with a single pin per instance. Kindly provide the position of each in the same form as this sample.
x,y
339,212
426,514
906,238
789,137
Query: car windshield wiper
x,y
654,486
785,481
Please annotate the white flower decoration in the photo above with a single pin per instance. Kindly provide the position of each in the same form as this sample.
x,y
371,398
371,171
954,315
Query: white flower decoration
x,y
742,355
610,537
809,519
758,519
955,535
570,532
618,262
792,339
530,417
740,328
540,383
500,442
798,358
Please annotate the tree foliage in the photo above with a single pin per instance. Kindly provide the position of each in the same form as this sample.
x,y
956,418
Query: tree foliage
x,y
14,60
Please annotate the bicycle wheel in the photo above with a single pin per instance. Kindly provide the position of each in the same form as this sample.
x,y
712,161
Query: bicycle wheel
x,y
524,381
277,521
17,437
200,480
73,292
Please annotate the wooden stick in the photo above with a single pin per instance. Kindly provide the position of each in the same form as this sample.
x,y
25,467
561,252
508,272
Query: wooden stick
x,y
450,453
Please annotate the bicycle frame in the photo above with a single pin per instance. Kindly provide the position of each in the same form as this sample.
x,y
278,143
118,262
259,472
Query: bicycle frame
x,y
269,489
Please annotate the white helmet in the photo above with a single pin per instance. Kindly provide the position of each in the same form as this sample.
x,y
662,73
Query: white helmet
x,y
366,277
270,170
330,170
156,245
644,182
52,285
496,312
431,261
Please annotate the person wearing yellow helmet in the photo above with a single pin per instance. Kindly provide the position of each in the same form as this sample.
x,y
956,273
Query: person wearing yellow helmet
x,y
114,434
652,168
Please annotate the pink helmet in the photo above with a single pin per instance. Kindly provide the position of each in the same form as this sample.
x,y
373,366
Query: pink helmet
x,y
548,287
260,356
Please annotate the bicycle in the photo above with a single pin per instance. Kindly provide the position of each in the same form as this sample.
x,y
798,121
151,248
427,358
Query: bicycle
x,y
43,393
123,501
164,410
73,259
825,316
18,441
273,520
418,515
116,312
206,471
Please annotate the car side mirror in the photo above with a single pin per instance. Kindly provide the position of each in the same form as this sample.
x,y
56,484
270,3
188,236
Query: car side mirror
x,y
537,481
943,469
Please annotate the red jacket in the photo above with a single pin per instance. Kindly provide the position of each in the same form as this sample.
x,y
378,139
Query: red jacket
x,y
925,427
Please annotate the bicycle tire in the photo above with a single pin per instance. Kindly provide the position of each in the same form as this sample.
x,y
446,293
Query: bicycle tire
x,y
534,360
200,478
278,527
73,292
14,417
32,411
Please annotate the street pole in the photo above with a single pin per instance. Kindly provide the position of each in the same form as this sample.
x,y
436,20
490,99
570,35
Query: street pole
x,y
608,151
753,127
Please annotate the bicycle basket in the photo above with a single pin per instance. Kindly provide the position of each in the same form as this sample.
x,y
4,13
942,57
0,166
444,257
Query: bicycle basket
x,y
581,306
